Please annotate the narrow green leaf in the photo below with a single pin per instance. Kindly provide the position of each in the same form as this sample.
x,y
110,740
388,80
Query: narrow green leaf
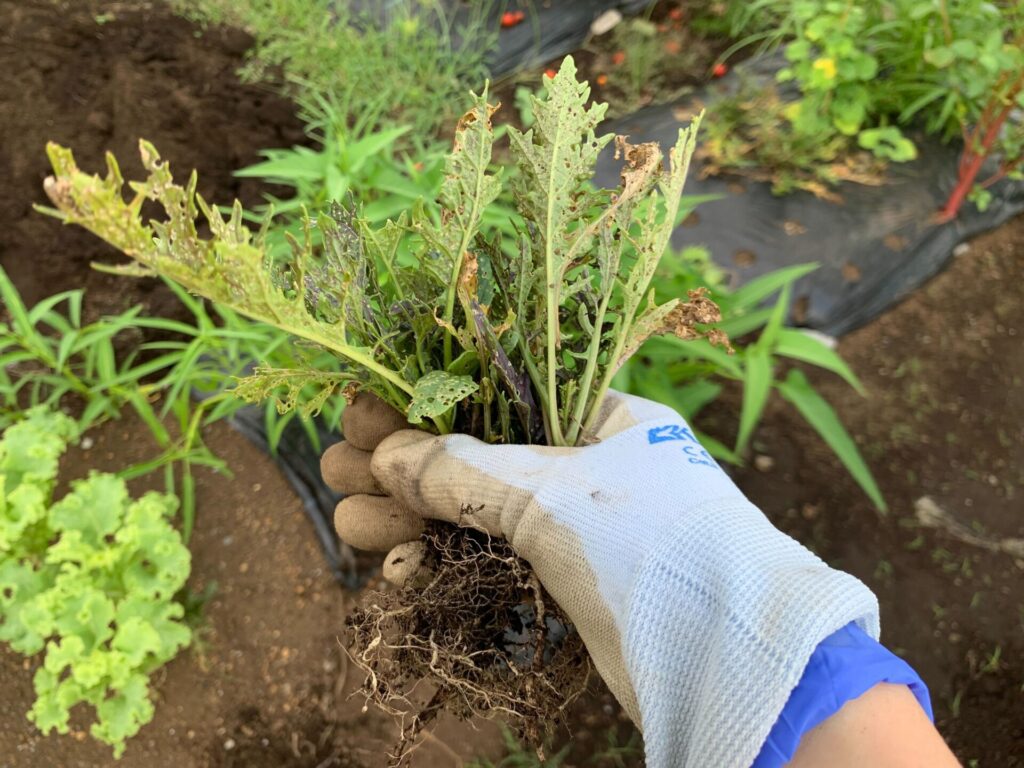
x,y
798,345
757,381
760,288
820,415
14,305
735,326
369,146
766,340
717,448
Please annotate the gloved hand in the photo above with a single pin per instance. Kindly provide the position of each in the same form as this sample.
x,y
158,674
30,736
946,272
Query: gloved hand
x,y
698,613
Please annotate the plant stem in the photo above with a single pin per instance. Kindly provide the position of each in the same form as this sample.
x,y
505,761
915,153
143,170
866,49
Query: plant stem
x,y
344,350
468,230
553,331
978,144
606,380
593,352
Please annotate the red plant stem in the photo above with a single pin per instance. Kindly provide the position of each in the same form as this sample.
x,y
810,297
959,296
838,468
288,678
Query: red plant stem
x,y
975,153
1002,173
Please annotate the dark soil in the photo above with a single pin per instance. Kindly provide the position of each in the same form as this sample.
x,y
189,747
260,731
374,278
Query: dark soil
x,y
268,685
98,76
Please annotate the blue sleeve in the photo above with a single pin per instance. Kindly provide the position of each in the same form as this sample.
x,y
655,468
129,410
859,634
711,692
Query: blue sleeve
x,y
845,665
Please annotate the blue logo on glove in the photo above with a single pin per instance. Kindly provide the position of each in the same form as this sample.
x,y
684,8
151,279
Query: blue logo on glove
x,y
671,432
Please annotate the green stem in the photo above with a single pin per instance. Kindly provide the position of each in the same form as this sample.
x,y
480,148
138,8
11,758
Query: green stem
x,y
538,383
554,331
606,380
467,234
593,352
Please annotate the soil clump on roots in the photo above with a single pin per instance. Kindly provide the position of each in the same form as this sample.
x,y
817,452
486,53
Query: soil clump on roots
x,y
475,634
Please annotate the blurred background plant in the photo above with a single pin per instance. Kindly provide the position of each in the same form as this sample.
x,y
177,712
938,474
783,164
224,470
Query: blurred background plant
x,y
864,74
690,376
49,357
90,580
404,62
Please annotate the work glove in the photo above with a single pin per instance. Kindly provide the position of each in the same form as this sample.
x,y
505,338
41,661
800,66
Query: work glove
x,y
697,612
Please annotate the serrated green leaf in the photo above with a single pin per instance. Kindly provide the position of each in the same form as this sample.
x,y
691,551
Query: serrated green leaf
x,y
436,393
303,389
123,714
93,507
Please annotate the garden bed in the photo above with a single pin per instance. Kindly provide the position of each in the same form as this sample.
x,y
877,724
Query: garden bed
x,y
267,683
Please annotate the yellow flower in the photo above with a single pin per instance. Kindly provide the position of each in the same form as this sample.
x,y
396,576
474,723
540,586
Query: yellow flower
x,y
827,67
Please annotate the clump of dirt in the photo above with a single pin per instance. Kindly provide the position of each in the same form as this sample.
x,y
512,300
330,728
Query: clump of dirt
x,y
483,633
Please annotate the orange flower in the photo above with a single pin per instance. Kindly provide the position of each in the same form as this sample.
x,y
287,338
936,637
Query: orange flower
x,y
719,69
512,18
601,79
618,57
673,47
549,73
676,14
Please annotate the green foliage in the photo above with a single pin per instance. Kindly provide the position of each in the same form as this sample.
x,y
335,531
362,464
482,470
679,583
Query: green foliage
x,y
751,132
540,327
89,580
365,167
50,357
684,375
398,63
864,69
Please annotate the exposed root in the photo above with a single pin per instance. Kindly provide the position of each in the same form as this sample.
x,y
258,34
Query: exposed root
x,y
479,632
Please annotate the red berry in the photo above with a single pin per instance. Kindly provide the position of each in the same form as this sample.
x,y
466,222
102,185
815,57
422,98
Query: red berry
x,y
550,73
720,69
618,57
512,18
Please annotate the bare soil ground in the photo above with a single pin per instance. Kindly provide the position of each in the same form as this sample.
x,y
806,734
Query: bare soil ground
x,y
267,686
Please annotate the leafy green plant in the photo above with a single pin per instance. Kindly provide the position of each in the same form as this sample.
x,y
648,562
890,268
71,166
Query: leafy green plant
x,y
397,63
530,344
863,70
748,132
346,163
968,80
638,62
89,580
689,376
50,357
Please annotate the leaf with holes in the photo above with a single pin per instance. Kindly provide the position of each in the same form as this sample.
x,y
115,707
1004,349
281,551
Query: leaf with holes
x,y
436,392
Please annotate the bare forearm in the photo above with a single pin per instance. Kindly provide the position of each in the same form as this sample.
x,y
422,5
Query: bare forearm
x,y
884,728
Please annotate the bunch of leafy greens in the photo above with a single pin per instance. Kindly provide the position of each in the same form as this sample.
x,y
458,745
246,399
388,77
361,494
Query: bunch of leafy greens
x,y
89,578
428,312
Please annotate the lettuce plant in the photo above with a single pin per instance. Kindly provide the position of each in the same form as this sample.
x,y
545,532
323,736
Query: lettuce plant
x,y
426,311
89,580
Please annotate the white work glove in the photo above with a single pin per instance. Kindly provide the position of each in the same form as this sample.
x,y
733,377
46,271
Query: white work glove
x,y
698,613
